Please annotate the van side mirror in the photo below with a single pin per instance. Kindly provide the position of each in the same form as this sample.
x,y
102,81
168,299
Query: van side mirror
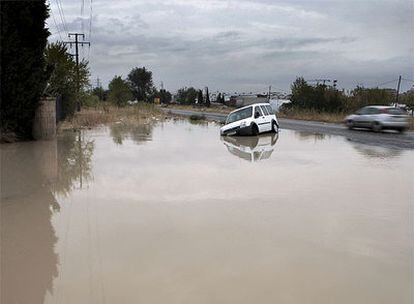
x,y
256,114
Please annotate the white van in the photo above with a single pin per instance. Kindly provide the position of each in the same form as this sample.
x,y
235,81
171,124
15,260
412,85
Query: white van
x,y
251,120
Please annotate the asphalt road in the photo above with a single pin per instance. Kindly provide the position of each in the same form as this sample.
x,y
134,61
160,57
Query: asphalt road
x,y
389,139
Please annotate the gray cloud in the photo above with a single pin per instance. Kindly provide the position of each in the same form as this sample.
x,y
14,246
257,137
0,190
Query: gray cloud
x,y
247,45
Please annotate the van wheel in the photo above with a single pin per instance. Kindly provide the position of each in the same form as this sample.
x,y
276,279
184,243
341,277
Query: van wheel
x,y
376,127
275,128
255,129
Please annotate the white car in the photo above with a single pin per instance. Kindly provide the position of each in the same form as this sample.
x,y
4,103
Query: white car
x,y
251,120
378,118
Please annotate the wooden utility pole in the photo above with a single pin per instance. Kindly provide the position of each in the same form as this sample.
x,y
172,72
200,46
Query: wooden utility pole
x,y
77,43
270,88
398,91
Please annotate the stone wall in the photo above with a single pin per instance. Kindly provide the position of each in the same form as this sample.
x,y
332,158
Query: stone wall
x,y
44,125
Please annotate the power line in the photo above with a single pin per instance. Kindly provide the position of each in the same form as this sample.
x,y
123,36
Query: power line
x,y
90,27
82,9
54,20
387,82
62,15
90,20
77,43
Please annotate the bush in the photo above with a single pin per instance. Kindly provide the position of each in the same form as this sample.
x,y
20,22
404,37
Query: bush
x,y
63,80
23,75
187,95
119,91
91,100
327,99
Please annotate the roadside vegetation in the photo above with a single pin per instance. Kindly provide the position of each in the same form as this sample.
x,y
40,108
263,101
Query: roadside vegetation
x,y
23,66
327,104
327,99
32,69
311,102
107,113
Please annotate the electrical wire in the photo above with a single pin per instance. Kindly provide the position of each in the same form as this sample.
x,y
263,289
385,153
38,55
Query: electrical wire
x,y
62,15
82,10
54,20
387,82
90,21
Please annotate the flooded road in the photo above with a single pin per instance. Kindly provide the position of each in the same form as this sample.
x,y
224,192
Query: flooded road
x,y
172,213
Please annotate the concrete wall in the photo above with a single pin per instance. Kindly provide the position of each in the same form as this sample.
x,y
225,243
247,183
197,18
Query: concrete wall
x,y
44,125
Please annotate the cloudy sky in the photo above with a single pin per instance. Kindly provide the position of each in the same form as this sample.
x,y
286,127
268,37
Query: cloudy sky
x,y
245,45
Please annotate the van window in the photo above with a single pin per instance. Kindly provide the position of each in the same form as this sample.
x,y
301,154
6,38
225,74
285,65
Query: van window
x,y
270,109
264,110
257,109
239,115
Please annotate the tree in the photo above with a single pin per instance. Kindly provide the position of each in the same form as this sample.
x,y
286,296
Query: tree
x,y
200,97
63,78
165,96
407,98
23,75
361,97
140,81
119,91
187,95
219,98
302,93
207,98
319,97
100,92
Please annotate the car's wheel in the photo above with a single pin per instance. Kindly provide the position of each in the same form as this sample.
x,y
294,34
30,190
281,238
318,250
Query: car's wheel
x,y
255,129
376,126
275,127
402,130
350,124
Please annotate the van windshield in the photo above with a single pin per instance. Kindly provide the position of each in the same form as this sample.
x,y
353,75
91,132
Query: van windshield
x,y
239,115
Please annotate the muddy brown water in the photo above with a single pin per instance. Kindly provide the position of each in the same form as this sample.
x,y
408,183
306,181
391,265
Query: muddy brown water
x,y
172,213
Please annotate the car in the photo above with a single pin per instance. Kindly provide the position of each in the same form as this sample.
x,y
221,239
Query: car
x,y
379,118
251,120
251,148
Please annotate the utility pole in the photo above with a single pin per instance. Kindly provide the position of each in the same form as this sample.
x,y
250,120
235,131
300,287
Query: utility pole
x,y
77,43
398,91
270,88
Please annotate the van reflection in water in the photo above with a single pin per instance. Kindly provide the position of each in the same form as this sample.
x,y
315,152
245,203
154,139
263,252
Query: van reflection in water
x,y
251,148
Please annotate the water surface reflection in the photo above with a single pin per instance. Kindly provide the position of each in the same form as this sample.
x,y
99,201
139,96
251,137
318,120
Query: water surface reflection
x,y
32,174
251,148
177,218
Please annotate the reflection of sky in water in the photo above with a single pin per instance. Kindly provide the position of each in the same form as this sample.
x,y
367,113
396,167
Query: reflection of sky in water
x,y
166,213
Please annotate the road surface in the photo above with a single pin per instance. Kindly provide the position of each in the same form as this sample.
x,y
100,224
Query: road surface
x,y
387,139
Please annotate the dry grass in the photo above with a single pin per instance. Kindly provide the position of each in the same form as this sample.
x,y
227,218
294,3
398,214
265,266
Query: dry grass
x,y
212,109
312,115
95,116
